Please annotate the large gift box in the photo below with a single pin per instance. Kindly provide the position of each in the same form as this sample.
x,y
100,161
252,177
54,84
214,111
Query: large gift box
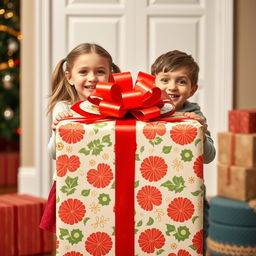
x,y
236,182
242,121
237,149
129,187
20,216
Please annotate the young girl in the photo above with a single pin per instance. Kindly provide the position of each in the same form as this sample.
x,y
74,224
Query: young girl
x,y
85,66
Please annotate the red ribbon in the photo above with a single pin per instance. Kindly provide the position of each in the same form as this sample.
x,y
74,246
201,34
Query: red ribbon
x,y
124,186
118,97
232,157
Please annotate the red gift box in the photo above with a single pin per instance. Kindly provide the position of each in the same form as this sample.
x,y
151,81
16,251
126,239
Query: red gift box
x,y
9,164
242,121
6,223
26,238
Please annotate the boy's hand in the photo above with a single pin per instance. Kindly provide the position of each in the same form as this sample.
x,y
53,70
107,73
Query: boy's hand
x,y
59,117
197,117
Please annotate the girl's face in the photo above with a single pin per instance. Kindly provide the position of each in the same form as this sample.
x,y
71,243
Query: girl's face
x,y
87,71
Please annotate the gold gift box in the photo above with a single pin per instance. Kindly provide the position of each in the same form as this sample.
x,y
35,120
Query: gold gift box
x,y
236,182
237,149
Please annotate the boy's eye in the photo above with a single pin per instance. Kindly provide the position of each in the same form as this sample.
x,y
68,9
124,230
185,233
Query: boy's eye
x,y
164,80
182,81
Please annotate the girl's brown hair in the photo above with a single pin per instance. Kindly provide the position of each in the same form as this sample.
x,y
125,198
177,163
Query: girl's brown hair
x,y
61,90
175,59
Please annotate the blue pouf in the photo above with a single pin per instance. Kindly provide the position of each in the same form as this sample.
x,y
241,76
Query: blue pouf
x,y
232,229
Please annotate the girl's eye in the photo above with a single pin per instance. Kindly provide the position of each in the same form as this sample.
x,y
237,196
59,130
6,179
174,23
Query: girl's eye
x,y
101,72
83,72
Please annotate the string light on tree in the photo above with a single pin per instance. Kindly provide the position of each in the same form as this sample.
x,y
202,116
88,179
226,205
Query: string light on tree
x,y
8,114
8,81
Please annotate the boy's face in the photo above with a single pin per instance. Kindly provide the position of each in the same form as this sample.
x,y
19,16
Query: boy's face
x,y
177,85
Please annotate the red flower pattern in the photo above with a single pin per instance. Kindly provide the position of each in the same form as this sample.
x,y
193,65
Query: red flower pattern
x,y
198,241
150,130
151,239
64,163
101,177
199,167
71,211
183,134
180,209
98,244
180,253
153,168
149,196
57,244
73,253
71,133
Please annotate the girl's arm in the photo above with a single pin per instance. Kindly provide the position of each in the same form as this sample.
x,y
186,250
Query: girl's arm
x,y
61,110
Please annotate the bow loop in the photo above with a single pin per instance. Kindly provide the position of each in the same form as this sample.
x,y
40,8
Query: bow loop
x,y
124,81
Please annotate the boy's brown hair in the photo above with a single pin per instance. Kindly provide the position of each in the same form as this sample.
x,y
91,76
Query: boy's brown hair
x,y
175,59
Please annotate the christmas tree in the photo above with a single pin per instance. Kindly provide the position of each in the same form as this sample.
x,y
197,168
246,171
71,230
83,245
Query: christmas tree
x,y
9,74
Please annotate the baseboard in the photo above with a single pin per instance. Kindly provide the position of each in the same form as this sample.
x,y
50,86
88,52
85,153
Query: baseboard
x,y
29,181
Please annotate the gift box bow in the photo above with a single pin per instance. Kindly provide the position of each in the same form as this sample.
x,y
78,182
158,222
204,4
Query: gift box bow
x,y
117,97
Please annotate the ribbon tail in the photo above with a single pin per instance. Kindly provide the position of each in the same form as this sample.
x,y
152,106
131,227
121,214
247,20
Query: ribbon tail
x,y
125,149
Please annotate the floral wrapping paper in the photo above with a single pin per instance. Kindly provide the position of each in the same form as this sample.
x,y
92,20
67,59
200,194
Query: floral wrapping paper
x,y
168,189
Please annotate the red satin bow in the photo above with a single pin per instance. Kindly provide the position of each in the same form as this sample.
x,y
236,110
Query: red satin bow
x,y
118,97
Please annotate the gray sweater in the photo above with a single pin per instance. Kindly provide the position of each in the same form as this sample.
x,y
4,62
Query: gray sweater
x,y
209,149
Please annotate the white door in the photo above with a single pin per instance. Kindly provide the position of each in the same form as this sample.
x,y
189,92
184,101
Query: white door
x,y
135,32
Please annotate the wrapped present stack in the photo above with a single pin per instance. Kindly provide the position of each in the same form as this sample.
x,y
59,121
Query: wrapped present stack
x,y
20,234
128,187
233,212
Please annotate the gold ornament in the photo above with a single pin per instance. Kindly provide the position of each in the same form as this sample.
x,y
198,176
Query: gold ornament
x,y
12,45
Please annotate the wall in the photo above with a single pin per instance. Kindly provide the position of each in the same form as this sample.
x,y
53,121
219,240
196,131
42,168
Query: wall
x,y
27,82
245,54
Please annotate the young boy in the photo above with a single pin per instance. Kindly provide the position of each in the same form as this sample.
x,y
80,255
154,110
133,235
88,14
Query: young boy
x,y
177,75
